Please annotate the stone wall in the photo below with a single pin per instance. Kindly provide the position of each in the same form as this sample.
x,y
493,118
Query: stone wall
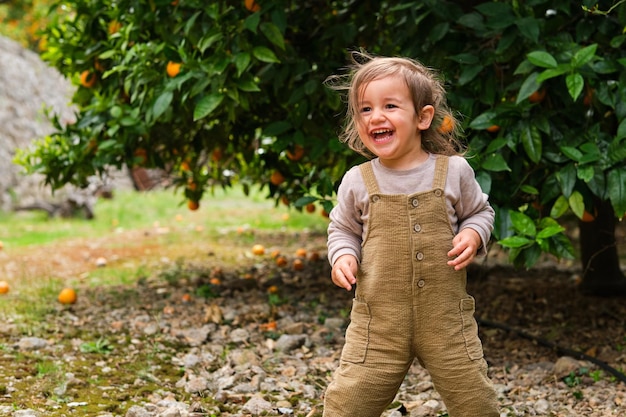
x,y
27,87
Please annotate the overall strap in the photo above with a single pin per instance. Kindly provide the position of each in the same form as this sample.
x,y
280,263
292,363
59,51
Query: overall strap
x,y
368,177
441,172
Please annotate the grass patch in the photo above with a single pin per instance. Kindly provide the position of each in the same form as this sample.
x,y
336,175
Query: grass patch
x,y
135,235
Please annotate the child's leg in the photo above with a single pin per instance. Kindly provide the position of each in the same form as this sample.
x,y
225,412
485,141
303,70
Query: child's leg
x,y
360,390
452,353
374,362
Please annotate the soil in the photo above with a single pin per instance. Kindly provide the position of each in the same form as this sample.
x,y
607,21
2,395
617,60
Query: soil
x,y
124,339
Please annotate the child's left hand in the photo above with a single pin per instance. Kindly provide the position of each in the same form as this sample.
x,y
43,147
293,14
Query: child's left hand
x,y
465,245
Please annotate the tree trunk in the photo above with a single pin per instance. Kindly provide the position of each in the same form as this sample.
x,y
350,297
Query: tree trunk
x,y
602,275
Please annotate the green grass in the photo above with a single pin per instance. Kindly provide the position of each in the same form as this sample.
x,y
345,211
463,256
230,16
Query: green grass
x,y
140,234
221,211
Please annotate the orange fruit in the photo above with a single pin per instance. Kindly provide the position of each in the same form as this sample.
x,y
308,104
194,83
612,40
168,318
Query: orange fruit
x,y
314,256
186,298
193,205
258,249
447,125
493,128
273,289
215,281
191,185
277,178
285,200
114,27
184,166
296,154
88,79
173,68
298,264
537,96
252,5
325,213
281,261
67,296
310,208
301,252
4,287
587,217
268,326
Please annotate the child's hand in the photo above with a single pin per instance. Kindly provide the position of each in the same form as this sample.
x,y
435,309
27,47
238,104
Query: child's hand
x,y
344,271
465,245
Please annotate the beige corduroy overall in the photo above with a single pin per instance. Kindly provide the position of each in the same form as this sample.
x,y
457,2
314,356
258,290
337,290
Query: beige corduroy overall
x,y
410,304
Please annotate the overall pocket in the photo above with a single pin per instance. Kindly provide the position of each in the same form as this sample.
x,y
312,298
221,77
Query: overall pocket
x,y
470,329
357,333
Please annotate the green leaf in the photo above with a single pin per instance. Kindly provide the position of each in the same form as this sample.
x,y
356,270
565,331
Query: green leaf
x,y
469,73
549,232
529,27
553,72
264,54
483,120
161,104
207,105
529,189
542,59
247,84
529,86
531,141
242,60
567,179
585,173
617,190
572,153
621,130
516,242
559,208
577,204
523,224
575,84
252,22
584,55
272,33
495,162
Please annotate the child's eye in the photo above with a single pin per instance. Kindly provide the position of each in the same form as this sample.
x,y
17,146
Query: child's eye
x,y
365,109
391,106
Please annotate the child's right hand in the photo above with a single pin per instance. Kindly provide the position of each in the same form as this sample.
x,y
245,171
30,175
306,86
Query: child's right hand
x,y
344,271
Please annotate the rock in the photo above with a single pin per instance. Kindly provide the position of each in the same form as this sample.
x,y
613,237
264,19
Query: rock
x,y
257,405
137,411
565,365
287,343
32,343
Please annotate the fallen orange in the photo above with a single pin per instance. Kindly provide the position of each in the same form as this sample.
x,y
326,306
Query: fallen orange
x,y
4,287
67,296
258,249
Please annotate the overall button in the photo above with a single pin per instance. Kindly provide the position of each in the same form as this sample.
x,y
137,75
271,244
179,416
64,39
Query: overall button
x,y
421,283
417,228
375,198
414,202
438,193
419,256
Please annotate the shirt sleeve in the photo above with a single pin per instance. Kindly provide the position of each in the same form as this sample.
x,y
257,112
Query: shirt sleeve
x,y
472,207
345,229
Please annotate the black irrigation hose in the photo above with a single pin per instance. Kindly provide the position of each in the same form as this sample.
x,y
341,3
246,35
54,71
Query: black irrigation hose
x,y
559,349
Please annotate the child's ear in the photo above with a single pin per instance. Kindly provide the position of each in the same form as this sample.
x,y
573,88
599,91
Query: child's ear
x,y
425,117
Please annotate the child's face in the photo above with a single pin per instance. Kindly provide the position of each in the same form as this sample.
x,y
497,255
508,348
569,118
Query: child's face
x,y
388,124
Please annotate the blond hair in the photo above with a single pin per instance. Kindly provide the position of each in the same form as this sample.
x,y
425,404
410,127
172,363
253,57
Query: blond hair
x,y
425,88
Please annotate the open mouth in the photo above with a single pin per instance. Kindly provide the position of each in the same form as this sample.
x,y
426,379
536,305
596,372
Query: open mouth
x,y
381,134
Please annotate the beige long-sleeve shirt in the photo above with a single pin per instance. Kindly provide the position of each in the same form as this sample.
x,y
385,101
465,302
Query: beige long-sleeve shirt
x,y
467,205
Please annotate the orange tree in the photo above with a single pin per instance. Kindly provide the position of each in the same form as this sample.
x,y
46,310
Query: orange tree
x,y
232,91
